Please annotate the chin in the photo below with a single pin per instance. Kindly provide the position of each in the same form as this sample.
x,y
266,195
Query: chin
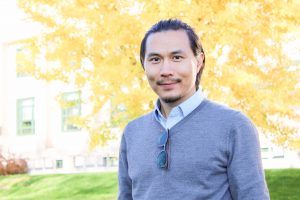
x,y
171,99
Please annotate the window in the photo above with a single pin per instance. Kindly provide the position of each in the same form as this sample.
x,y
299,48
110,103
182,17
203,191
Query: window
x,y
59,164
71,110
22,61
265,153
25,116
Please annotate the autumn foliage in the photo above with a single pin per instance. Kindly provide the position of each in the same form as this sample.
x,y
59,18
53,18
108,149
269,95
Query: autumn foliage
x,y
95,45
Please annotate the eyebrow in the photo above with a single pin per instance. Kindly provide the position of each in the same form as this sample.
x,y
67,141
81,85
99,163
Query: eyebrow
x,y
153,54
172,53
177,52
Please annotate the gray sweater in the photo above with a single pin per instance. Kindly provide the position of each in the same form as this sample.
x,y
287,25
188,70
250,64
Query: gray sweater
x,y
214,154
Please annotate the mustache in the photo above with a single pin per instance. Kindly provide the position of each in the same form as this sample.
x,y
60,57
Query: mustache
x,y
169,80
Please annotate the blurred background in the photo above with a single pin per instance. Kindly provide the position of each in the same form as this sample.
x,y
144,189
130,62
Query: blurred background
x,y
70,76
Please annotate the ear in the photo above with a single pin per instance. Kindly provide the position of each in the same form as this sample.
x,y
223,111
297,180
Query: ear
x,y
200,59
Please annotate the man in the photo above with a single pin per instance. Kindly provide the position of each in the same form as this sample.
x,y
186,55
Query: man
x,y
189,147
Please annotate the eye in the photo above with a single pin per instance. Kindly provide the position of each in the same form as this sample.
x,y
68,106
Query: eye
x,y
177,58
154,60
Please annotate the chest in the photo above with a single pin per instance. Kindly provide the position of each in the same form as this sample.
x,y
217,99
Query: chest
x,y
192,155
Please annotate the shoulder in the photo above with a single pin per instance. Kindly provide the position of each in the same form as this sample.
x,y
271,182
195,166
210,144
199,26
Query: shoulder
x,y
223,113
146,118
213,105
219,110
235,121
140,123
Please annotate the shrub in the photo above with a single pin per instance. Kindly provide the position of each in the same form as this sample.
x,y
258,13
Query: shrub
x,y
12,166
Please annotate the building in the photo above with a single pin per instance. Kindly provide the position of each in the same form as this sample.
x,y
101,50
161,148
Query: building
x,y
34,126
275,157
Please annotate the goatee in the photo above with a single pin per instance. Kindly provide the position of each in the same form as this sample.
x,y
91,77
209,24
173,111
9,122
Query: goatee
x,y
171,99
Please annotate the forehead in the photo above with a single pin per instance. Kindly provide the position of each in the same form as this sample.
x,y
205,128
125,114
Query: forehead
x,y
168,41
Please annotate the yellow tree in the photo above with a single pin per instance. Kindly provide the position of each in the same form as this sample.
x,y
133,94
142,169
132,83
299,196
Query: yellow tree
x,y
95,44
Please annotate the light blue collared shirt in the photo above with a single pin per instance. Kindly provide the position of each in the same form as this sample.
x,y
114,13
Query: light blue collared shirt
x,y
179,112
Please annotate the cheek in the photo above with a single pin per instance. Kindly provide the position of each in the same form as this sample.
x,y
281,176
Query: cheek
x,y
188,76
187,71
150,79
150,74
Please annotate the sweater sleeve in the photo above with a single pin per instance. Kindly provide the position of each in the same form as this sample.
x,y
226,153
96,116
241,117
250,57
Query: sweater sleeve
x,y
245,172
125,188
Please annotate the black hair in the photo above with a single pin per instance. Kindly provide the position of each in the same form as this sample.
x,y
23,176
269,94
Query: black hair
x,y
175,24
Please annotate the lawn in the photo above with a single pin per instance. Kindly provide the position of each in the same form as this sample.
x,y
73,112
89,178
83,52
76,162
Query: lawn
x,y
59,187
283,185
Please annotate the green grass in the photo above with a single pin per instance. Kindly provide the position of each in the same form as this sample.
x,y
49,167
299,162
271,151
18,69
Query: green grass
x,y
283,185
59,187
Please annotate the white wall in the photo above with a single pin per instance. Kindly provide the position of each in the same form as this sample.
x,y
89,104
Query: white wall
x,y
2,57
48,142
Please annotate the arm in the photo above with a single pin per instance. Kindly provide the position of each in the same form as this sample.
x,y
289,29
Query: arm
x,y
124,179
245,172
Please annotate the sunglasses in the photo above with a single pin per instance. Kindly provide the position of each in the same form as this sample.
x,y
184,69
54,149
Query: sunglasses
x,y
162,158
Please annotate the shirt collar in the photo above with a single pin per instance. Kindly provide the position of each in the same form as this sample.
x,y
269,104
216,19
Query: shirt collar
x,y
191,103
185,107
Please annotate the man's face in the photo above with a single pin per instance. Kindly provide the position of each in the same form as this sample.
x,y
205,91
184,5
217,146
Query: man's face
x,y
171,66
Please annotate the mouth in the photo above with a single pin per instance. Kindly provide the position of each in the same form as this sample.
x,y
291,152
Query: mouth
x,y
168,84
168,81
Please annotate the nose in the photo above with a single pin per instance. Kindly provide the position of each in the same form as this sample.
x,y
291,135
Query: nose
x,y
166,68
